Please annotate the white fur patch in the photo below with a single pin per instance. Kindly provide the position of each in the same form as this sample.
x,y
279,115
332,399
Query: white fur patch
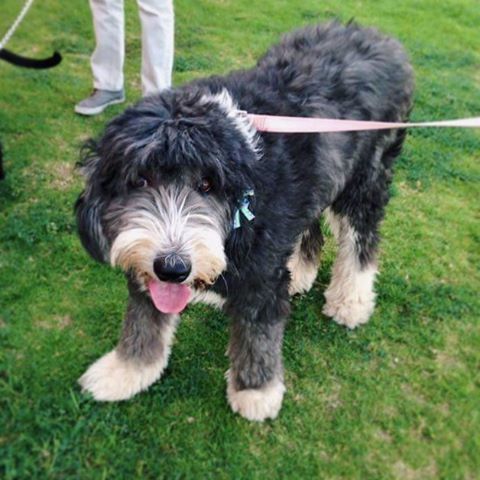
x,y
112,378
225,101
208,297
256,404
350,298
302,272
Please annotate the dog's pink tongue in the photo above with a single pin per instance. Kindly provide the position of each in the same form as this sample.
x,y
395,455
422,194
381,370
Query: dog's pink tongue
x,y
169,297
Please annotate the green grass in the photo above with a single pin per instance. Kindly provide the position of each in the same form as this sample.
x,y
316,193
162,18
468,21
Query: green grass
x,y
396,399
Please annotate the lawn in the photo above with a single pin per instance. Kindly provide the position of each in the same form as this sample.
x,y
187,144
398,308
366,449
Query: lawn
x,y
396,399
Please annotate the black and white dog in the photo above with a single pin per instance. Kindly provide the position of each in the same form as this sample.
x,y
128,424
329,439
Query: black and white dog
x,y
195,205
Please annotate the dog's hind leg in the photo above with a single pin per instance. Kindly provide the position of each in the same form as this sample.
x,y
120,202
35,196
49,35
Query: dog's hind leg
x,y
350,298
355,219
305,260
140,357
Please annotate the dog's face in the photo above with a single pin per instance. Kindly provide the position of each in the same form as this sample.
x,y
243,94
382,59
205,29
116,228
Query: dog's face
x,y
162,184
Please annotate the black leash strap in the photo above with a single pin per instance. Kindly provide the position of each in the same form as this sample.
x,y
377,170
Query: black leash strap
x,y
26,62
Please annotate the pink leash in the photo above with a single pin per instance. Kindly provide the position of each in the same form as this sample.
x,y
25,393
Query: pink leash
x,y
278,124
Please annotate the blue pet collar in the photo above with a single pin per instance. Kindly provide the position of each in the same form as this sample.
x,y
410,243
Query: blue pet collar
x,y
244,208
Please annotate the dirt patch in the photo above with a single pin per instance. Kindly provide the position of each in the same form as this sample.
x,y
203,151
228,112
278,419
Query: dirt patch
x,y
446,358
383,436
56,323
403,471
63,173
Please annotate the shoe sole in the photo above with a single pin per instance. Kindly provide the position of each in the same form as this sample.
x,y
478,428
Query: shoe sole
x,y
89,111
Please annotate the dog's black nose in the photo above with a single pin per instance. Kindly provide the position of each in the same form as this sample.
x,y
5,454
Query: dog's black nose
x,y
171,268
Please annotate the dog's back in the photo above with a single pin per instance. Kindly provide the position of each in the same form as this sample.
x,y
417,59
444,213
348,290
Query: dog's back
x,y
342,70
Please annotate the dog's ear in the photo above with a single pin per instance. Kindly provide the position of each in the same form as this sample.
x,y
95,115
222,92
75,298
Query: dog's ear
x,y
89,207
89,224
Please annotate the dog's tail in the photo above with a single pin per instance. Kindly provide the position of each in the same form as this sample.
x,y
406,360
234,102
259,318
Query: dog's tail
x,y
20,61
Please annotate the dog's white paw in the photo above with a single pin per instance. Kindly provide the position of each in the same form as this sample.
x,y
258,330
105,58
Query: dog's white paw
x,y
256,404
302,277
350,298
303,272
349,311
111,378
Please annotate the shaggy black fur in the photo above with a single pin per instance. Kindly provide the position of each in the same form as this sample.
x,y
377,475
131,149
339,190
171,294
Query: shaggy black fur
x,y
330,70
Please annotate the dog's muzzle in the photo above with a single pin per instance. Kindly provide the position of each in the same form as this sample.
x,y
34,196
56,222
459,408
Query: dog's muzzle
x,y
168,293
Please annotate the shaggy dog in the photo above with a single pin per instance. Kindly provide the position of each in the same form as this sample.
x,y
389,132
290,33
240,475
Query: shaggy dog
x,y
195,205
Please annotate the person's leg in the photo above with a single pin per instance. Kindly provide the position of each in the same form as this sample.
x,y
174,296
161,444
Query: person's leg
x,y
157,20
108,57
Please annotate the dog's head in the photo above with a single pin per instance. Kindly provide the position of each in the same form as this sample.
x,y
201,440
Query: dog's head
x,y
162,185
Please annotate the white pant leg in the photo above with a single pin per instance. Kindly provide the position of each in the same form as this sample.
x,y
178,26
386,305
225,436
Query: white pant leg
x,y
157,20
108,57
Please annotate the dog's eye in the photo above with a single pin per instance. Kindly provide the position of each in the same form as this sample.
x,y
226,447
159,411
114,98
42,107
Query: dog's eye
x,y
140,183
205,185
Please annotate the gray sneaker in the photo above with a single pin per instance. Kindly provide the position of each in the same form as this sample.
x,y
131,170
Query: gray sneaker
x,y
98,101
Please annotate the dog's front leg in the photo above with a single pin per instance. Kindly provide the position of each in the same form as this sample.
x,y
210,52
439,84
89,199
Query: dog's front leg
x,y
255,380
140,357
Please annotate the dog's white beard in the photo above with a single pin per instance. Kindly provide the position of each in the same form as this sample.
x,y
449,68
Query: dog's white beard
x,y
169,225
